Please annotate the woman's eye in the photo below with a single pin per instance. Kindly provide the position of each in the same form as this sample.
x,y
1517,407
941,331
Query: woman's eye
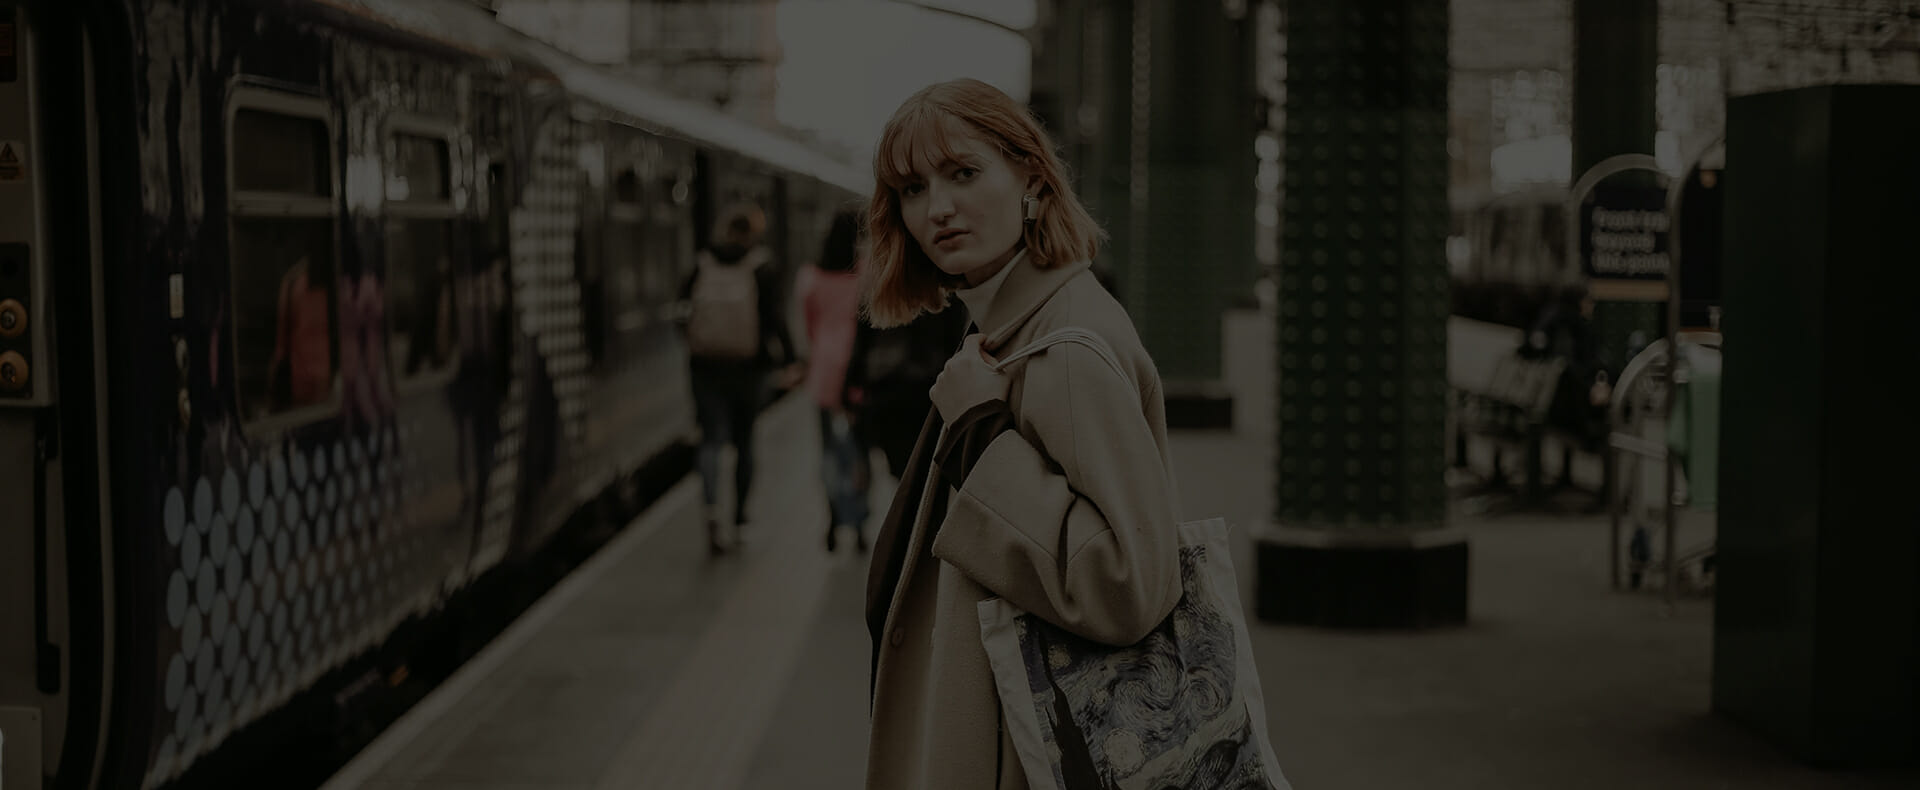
x,y
965,173
912,189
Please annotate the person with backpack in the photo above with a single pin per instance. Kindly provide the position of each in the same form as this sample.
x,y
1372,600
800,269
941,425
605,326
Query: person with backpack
x,y
736,334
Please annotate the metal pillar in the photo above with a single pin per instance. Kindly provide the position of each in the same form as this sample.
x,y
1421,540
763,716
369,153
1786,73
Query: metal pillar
x,y
1616,52
1168,170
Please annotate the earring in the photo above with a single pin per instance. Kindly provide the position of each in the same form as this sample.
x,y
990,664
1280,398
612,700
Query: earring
x,y
1031,205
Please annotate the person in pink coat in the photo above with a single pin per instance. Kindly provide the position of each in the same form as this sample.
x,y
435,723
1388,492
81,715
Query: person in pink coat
x,y
830,303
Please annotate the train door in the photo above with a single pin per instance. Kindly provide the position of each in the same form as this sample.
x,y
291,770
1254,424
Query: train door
x,y
53,649
497,421
423,258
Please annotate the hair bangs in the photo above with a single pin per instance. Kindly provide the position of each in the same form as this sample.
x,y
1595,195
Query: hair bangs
x,y
921,137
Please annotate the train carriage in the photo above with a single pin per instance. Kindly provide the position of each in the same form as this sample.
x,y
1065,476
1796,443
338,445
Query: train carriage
x,y
327,311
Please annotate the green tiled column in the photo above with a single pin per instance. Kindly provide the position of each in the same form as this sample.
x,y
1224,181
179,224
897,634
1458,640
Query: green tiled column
x,y
1361,536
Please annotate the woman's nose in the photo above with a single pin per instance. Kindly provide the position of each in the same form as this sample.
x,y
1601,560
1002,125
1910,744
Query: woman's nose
x,y
939,205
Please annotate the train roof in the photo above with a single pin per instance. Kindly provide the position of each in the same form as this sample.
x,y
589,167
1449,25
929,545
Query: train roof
x,y
463,25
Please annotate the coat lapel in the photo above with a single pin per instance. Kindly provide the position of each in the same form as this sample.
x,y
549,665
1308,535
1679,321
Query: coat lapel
x,y
1026,289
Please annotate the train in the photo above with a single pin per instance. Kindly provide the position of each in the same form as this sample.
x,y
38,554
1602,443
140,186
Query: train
x,y
316,317
1512,256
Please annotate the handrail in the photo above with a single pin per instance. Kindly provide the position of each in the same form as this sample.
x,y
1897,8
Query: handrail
x,y
46,429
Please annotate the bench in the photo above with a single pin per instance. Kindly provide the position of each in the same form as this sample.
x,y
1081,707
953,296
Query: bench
x,y
1509,408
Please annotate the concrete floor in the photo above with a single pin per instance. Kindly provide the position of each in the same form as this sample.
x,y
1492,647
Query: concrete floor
x,y
657,667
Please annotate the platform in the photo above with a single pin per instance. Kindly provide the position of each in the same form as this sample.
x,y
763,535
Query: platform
x,y
653,666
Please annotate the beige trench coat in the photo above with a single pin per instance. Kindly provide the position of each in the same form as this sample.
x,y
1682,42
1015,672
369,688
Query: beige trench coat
x,y
1070,518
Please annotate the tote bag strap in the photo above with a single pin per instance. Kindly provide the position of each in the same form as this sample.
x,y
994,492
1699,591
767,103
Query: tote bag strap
x,y
1072,334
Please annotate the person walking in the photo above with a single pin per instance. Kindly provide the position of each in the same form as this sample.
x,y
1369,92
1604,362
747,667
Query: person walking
x,y
830,305
736,334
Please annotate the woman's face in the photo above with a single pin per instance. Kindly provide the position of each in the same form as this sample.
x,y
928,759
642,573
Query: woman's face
x,y
966,212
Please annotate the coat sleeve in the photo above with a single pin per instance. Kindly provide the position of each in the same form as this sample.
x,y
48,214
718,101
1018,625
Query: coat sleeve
x,y
1079,528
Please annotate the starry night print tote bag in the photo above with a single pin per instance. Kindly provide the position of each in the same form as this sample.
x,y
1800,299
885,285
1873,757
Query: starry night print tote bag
x,y
1181,708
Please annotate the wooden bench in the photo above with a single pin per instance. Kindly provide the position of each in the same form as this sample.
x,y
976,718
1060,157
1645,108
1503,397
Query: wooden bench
x,y
1510,408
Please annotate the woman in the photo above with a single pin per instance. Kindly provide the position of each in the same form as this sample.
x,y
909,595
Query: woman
x,y
830,303
1048,485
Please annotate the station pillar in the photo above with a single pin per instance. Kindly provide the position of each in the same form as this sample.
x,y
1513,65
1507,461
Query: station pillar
x,y
1616,51
1156,99
1817,582
1360,536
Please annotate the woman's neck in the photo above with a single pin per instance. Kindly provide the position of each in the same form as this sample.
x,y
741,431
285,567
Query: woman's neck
x,y
977,276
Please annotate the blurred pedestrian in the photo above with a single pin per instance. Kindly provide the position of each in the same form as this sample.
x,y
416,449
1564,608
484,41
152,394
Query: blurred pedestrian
x,y
736,334
830,306
1047,484
890,374
1565,330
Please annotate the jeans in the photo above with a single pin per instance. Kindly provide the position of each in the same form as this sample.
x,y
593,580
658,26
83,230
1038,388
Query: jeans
x,y
726,403
843,469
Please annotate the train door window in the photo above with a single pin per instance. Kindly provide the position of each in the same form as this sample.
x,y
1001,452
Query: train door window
x,y
495,323
420,218
674,224
626,253
498,198
283,219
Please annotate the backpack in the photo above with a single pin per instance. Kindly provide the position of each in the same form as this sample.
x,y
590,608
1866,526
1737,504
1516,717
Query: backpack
x,y
724,312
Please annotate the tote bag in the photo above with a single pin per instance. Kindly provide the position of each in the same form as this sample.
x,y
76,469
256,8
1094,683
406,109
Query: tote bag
x,y
1181,708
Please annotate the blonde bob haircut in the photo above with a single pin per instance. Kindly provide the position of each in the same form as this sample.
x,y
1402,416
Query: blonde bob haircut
x,y
899,281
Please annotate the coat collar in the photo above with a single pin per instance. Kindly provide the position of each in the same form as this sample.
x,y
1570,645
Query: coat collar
x,y
1025,290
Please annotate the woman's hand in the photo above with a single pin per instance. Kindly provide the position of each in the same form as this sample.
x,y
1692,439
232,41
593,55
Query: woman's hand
x,y
967,381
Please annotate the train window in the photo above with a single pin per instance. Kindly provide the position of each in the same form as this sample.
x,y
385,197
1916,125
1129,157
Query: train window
x,y
419,170
283,259
278,153
497,212
420,256
626,186
627,286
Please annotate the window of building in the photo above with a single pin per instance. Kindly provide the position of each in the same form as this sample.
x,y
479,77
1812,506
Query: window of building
x,y
420,218
282,257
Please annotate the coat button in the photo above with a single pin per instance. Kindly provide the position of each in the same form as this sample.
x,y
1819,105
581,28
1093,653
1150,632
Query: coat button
x,y
899,636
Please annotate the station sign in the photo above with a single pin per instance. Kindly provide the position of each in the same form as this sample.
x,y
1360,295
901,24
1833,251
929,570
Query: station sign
x,y
1622,232
1625,233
